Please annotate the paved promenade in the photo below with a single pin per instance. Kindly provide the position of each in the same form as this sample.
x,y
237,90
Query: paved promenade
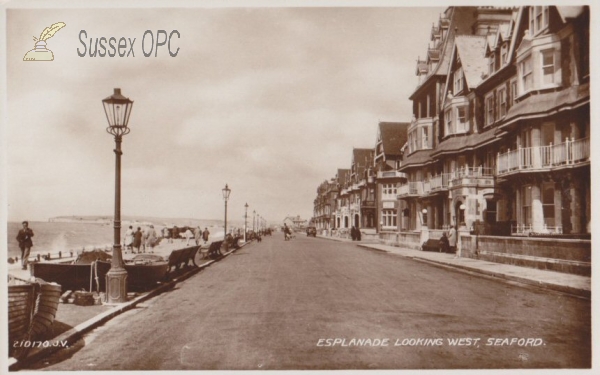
x,y
562,282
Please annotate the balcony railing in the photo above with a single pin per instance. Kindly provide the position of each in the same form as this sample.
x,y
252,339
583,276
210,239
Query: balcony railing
x,y
390,174
526,229
440,182
544,157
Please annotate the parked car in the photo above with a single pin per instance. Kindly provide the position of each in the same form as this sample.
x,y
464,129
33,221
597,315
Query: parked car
x,y
311,231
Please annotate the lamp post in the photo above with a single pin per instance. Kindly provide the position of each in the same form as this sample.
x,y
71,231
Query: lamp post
x,y
253,220
117,109
226,192
245,221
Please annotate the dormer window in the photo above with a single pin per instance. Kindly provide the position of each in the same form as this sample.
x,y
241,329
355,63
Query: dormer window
x,y
458,80
491,64
538,19
504,54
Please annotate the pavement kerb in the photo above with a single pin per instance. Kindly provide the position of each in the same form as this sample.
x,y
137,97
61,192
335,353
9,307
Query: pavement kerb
x,y
542,284
76,332
537,283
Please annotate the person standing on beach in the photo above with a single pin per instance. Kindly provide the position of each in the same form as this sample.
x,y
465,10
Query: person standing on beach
x,y
198,235
150,237
128,238
137,239
175,233
25,243
188,235
205,235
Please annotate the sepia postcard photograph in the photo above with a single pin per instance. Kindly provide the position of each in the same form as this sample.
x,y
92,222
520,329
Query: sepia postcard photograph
x,y
265,185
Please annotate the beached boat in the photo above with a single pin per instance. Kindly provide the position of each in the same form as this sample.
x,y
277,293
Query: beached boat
x,y
90,275
73,276
32,308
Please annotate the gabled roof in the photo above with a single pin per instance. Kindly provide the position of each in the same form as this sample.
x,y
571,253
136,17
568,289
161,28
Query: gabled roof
x,y
570,11
471,50
341,176
501,35
393,136
361,157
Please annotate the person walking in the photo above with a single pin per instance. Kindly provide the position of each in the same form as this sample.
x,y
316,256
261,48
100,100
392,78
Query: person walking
x,y
188,236
25,243
137,240
175,234
150,238
205,235
353,233
452,239
128,241
198,235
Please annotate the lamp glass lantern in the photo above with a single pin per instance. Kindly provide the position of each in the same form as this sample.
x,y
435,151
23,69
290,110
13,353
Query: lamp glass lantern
x,y
117,109
226,191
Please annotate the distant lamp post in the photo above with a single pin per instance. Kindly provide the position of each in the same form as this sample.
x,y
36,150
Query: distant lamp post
x,y
245,221
117,109
253,220
226,192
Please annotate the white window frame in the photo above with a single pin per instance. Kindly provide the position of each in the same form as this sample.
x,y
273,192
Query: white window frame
x,y
492,64
461,126
458,81
389,218
538,19
489,109
504,54
513,91
502,103
526,74
543,54
448,117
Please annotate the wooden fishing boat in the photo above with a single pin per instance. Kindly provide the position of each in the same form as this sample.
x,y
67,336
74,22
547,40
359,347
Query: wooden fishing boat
x,y
31,311
72,276
141,275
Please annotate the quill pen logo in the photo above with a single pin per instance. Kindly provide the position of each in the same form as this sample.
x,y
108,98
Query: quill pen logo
x,y
40,52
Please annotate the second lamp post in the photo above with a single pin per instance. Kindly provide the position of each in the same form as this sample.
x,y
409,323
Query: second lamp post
x,y
226,192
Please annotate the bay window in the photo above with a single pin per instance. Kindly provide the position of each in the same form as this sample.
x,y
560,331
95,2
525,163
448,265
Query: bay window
x,y
526,74
548,67
502,102
461,119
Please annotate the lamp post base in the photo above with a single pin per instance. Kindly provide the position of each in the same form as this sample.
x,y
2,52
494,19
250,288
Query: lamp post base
x,y
116,286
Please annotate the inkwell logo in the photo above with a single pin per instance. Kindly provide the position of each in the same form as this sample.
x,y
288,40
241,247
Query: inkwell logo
x,y
40,52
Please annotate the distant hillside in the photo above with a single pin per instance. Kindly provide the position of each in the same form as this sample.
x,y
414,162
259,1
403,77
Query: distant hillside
x,y
147,219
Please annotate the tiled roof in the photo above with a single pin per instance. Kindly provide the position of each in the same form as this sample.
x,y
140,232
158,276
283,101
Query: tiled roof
x,y
417,158
361,157
471,49
540,104
570,11
341,176
393,135
464,143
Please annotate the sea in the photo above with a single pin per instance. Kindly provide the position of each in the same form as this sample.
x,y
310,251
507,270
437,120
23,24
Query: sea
x,y
52,237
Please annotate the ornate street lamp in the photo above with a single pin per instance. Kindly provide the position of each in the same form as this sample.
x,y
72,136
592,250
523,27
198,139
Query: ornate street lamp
x,y
245,221
226,192
117,109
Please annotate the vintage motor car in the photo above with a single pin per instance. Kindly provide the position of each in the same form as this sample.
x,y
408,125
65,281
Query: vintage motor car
x,y
311,231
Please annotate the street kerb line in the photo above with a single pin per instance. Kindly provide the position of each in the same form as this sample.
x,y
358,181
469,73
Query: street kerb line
x,y
514,280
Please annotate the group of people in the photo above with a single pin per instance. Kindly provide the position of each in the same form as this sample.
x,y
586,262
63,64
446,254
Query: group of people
x,y
138,241
448,241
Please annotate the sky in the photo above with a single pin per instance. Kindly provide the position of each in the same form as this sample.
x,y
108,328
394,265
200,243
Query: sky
x,y
269,100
